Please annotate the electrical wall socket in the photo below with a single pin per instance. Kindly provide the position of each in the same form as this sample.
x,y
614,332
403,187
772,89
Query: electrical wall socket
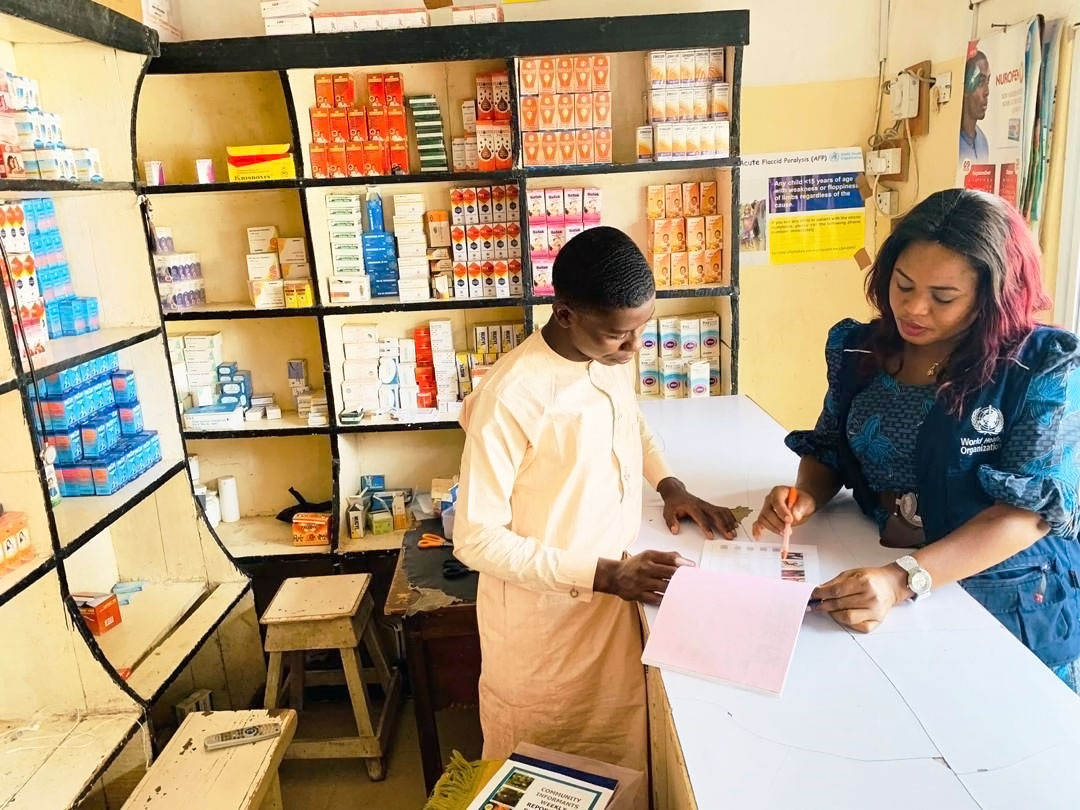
x,y
888,201
943,87
904,96
884,161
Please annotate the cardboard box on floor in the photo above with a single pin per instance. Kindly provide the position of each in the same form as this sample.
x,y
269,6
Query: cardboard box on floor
x,y
632,784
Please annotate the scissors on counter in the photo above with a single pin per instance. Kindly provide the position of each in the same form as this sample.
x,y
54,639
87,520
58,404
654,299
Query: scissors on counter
x,y
432,540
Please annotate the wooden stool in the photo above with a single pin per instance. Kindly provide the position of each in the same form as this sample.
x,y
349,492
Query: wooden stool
x,y
242,777
326,613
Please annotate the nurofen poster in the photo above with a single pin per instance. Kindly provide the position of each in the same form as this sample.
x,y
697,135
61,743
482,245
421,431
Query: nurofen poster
x,y
799,207
998,115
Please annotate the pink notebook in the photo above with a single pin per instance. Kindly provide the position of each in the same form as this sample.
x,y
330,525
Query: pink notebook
x,y
723,626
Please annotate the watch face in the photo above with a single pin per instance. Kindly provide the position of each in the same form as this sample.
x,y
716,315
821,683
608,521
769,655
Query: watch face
x,y
909,508
919,582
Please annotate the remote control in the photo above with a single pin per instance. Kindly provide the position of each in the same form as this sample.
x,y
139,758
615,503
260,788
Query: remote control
x,y
240,736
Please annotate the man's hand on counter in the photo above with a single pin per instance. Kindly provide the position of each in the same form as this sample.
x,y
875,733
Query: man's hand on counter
x,y
712,520
641,578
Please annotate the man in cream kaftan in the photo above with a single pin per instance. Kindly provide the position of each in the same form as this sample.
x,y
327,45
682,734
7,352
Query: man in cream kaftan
x,y
550,499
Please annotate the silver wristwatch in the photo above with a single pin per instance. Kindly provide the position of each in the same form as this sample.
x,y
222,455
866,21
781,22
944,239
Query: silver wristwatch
x,y
918,578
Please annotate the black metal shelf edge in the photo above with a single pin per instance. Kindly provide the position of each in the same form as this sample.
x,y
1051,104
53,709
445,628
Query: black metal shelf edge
x,y
9,385
423,306
277,559
167,682
454,43
86,20
206,188
420,177
37,572
240,314
397,427
111,518
57,186
697,292
83,357
625,168
255,433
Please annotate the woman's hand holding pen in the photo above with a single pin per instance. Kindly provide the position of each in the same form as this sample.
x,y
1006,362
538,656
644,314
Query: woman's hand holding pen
x,y
861,598
776,515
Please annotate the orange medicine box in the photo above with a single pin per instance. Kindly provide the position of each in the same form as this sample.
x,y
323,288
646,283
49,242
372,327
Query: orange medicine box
x,y
310,529
324,90
695,233
378,124
673,200
583,110
375,158
714,232
698,267
564,74
395,89
661,268
530,113
654,202
601,73
344,90
678,234
583,74
602,110
337,163
586,146
500,90
354,158
530,148
339,125
680,269
708,198
547,106
320,125
691,199
549,149
714,267
358,125
485,98
564,111
568,148
319,167
100,611
603,145
396,127
398,158
660,236
546,74
529,77
504,144
376,90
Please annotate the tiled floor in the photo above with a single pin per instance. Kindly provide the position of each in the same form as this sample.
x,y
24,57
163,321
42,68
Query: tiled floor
x,y
343,784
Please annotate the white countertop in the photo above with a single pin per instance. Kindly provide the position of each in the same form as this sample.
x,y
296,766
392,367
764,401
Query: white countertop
x,y
940,707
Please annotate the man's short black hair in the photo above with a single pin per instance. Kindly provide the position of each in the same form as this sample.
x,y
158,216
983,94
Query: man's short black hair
x,y
602,269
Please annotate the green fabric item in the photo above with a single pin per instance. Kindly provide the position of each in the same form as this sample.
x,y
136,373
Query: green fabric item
x,y
460,782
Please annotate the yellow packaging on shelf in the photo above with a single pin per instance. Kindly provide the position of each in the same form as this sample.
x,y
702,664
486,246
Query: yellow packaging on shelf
x,y
249,164
298,293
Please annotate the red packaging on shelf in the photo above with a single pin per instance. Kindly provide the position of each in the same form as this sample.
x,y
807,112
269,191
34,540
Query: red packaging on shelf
x,y
344,90
376,90
397,129
337,163
358,125
318,157
339,125
399,158
324,90
485,98
504,148
394,88
378,124
498,203
354,157
485,145
500,93
100,611
374,158
320,125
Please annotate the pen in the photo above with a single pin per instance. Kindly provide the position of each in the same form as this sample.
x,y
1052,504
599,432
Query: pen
x,y
785,537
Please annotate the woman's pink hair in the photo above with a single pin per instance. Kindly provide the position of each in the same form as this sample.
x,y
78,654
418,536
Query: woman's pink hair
x,y
996,242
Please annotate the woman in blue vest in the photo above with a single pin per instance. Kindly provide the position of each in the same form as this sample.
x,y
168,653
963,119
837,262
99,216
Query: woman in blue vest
x,y
955,419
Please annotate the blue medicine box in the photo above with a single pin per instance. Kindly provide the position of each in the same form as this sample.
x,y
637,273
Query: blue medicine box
x,y
373,206
131,419
124,390
107,473
67,444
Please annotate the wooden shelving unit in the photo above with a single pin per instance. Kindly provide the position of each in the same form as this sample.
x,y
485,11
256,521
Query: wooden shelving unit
x,y
273,77
74,703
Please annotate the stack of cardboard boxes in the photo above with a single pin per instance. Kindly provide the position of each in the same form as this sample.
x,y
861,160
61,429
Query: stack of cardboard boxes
x,y
557,215
680,357
686,235
485,237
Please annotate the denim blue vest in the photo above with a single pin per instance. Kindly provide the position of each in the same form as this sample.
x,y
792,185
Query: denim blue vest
x,y
1036,592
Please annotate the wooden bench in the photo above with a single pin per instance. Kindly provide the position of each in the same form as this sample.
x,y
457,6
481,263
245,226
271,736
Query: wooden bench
x,y
242,777
332,613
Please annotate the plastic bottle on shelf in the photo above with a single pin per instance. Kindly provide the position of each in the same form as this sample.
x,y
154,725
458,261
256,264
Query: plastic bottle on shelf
x,y
48,457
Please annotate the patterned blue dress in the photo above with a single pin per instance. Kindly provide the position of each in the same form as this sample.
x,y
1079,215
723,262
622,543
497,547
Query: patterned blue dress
x,y
1033,473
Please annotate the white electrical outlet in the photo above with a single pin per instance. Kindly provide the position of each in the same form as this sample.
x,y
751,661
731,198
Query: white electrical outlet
x,y
943,87
904,96
883,161
888,201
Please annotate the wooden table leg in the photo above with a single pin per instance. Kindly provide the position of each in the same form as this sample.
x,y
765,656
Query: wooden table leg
x,y
423,703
